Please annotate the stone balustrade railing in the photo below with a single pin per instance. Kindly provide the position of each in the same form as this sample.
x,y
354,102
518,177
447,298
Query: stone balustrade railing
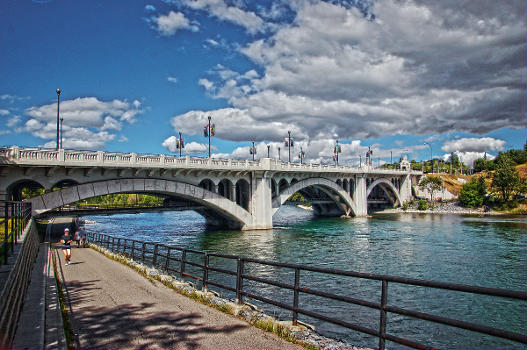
x,y
61,157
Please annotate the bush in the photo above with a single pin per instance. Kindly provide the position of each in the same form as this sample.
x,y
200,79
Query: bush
x,y
473,193
405,206
422,205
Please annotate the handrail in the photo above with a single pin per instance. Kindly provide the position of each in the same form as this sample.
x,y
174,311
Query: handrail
x,y
41,156
16,216
160,256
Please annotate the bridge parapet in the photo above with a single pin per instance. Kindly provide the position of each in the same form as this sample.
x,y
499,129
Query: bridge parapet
x,y
46,157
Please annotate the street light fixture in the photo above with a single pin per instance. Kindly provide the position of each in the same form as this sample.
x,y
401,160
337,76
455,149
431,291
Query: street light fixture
x,y
180,143
288,143
301,155
279,154
431,160
58,120
336,150
268,151
252,150
209,130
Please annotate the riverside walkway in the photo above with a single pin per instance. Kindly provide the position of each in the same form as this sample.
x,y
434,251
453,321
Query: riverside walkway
x,y
114,307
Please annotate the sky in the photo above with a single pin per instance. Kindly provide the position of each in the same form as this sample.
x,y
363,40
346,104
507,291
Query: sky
x,y
410,78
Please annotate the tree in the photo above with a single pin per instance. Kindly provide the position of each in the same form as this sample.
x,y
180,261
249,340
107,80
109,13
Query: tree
x,y
473,193
430,184
481,164
506,179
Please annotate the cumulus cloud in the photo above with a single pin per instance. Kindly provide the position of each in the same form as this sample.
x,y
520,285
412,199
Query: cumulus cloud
x,y
169,24
415,67
4,112
172,80
231,13
86,121
483,144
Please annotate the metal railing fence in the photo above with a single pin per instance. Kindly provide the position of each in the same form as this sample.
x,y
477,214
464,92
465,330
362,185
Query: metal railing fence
x,y
16,217
175,260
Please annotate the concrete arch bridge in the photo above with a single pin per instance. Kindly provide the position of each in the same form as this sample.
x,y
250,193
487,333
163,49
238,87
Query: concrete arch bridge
x,y
235,193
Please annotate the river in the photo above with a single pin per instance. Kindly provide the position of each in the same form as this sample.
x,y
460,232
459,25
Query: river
x,y
483,251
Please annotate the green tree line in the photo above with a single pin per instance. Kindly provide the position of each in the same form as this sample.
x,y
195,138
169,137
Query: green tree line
x,y
506,188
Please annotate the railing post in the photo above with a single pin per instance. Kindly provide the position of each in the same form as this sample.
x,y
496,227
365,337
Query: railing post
x,y
154,256
382,325
118,245
205,272
133,248
183,259
6,234
295,296
13,220
239,282
167,259
143,247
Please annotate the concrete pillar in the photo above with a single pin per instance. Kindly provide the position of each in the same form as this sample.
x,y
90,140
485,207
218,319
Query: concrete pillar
x,y
260,203
359,197
405,192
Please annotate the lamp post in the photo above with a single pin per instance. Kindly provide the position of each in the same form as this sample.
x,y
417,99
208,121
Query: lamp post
x,y
268,151
391,159
61,122
209,131
360,161
279,154
301,155
431,160
180,143
58,120
336,152
289,144
252,150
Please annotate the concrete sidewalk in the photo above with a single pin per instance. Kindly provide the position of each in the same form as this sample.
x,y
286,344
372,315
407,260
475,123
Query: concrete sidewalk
x,y
114,307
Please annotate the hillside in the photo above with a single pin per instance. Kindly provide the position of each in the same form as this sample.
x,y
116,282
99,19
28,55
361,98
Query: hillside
x,y
453,183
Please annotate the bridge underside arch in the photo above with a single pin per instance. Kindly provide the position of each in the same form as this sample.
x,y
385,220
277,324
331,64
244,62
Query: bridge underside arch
x,y
327,198
217,209
15,191
382,193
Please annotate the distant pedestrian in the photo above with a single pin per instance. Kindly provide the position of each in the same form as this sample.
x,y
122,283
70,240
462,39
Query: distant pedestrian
x,y
65,240
84,239
77,237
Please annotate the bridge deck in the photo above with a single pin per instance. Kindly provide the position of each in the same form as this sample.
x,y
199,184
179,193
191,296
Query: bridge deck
x,y
113,307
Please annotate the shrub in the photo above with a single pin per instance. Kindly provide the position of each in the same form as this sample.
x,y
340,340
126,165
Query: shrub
x,y
422,205
473,193
405,206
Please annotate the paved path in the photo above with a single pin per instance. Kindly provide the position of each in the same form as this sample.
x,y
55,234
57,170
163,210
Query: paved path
x,y
113,307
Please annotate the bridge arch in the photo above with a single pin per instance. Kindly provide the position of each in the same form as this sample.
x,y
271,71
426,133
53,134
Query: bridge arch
x,y
339,196
388,188
233,214
14,190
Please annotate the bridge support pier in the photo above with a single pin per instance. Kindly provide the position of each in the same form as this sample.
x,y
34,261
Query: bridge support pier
x,y
405,191
260,205
360,197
